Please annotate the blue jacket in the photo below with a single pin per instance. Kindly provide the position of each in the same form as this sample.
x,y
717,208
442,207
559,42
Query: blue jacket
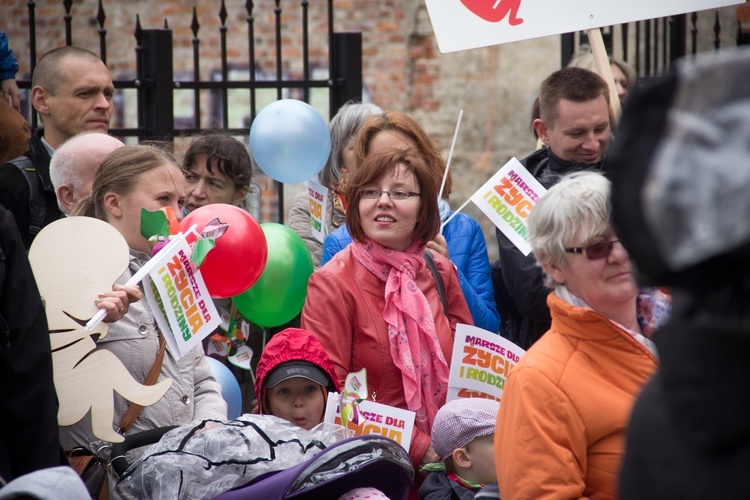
x,y
468,252
8,63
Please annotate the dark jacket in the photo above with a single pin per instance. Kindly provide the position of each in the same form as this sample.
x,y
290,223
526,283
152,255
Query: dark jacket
x,y
15,191
293,344
689,432
518,274
29,437
437,486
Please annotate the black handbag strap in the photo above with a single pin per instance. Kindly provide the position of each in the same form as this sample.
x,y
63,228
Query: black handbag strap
x,y
438,280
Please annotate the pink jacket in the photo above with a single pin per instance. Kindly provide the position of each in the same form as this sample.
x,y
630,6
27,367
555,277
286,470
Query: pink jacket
x,y
344,310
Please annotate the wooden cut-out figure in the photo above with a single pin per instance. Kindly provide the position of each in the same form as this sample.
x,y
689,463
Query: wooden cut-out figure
x,y
73,260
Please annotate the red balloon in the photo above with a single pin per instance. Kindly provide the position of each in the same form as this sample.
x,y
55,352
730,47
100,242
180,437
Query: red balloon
x,y
239,257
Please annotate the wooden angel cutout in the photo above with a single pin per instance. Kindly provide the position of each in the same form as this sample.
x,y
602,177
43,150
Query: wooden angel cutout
x,y
74,259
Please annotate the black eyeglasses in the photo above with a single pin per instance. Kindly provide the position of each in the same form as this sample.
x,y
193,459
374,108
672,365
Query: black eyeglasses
x,y
595,251
396,195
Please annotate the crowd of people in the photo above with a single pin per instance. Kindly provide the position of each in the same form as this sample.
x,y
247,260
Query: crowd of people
x,y
392,282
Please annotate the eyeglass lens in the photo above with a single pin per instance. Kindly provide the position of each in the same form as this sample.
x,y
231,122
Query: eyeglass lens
x,y
599,250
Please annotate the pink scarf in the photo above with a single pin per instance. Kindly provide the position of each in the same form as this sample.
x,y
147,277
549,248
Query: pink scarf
x,y
411,329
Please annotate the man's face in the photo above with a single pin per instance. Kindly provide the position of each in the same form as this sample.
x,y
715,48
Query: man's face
x,y
81,102
580,133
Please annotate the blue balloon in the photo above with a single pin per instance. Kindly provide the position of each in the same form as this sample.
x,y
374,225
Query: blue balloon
x,y
230,388
289,141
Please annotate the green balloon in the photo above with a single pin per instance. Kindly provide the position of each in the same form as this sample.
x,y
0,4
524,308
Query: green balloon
x,y
279,294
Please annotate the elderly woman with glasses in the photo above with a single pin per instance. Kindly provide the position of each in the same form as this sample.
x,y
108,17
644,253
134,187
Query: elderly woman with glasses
x,y
376,304
565,407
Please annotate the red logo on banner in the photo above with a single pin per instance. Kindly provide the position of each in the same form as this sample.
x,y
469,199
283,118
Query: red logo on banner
x,y
495,11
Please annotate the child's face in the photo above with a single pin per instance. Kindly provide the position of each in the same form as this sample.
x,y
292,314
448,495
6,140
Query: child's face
x,y
298,400
481,451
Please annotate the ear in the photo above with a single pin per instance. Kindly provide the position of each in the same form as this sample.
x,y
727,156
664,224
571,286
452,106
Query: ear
x,y
112,204
556,271
240,197
66,197
39,97
541,130
461,458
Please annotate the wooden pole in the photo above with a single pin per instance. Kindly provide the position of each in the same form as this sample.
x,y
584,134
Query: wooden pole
x,y
605,71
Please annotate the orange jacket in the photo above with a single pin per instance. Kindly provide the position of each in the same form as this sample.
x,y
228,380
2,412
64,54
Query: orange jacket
x,y
561,426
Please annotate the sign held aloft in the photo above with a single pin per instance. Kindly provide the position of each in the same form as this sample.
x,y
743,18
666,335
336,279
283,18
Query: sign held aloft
x,y
467,24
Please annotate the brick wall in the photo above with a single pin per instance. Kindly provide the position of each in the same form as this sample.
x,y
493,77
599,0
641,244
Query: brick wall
x,y
402,66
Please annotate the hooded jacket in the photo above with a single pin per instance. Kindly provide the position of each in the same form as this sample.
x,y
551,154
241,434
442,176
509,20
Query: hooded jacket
x,y
293,344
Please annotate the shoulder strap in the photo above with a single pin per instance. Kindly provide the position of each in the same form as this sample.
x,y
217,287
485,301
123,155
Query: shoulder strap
x,y
438,280
37,205
133,410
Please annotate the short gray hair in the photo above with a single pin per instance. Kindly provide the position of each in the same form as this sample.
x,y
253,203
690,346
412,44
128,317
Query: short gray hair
x,y
573,211
343,126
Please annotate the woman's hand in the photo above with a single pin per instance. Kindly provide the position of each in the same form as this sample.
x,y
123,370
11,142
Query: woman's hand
x,y
117,302
430,457
439,245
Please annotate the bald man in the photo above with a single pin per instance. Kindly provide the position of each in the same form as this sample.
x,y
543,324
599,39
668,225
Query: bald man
x,y
75,164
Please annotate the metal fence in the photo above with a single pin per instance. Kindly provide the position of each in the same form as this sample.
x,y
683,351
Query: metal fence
x,y
155,85
650,46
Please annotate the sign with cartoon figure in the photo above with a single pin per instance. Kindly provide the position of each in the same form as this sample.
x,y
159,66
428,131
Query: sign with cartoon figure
x,y
507,199
481,364
466,24
70,276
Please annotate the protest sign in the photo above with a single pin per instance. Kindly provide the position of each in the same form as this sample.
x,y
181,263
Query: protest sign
x,y
178,297
507,199
318,209
374,418
467,24
481,363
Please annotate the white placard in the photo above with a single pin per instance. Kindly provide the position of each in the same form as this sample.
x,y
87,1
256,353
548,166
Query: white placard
x,y
507,199
375,418
318,209
179,300
466,24
480,364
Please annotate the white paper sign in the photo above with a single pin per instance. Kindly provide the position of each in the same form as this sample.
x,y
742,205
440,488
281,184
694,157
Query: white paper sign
x,y
375,418
466,24
318,209
179,300
507,199
480,364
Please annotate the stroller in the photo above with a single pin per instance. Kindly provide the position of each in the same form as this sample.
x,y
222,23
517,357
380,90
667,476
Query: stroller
x,y
356,462
259,457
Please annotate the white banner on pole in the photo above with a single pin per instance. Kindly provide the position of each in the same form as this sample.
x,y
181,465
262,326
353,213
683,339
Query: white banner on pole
x,y
467,24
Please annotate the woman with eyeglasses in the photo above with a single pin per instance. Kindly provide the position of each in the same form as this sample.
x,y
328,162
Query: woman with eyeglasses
x,y
376,306
565,407
461,239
